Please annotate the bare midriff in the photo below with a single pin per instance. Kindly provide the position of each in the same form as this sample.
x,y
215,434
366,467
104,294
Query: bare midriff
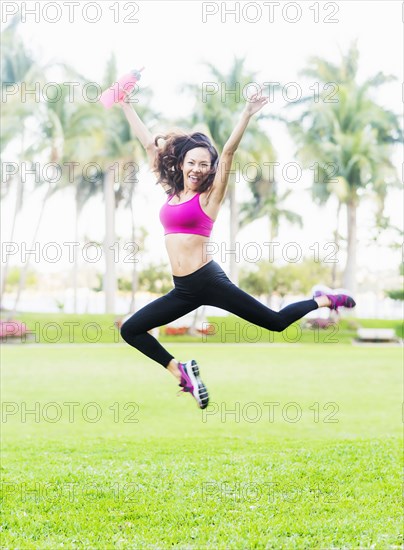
x,y
187,252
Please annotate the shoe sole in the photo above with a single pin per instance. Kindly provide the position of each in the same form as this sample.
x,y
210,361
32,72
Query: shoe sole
x,y
202,395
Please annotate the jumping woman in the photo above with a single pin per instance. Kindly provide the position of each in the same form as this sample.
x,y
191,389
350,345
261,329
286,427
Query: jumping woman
x,y
195,179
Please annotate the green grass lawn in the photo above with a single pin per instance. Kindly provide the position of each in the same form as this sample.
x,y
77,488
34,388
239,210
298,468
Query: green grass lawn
x,y
65,328
300,448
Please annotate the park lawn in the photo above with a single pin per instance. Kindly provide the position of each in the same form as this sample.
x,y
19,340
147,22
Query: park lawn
x,y
300,447
64,328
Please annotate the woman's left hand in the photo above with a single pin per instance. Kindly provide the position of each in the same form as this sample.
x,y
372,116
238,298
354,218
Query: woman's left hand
x,y
255,103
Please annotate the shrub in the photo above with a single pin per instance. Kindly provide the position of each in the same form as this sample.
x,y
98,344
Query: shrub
x,y
12,329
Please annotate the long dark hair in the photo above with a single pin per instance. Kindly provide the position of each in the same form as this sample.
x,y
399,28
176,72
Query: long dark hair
x,y
172,154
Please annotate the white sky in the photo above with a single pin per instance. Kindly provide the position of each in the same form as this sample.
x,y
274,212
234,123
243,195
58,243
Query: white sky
x,y
171,40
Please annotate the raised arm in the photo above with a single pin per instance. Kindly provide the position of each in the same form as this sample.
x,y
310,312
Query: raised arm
x,y
141,132
219,186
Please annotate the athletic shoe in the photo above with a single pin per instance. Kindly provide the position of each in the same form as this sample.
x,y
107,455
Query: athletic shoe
x,y
341,300
340,297
191,382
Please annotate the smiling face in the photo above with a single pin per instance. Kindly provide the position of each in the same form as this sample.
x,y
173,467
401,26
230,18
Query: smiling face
x,y
195,168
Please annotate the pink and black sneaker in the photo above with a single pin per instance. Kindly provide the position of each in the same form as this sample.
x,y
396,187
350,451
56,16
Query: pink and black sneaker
x,y
191,382
339,297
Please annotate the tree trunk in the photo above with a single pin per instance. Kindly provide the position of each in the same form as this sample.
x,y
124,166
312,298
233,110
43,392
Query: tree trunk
x,y
109,241
272,235
17,208
199,315
350,268
24,269
336,241
76,257
234,227
134,269
135,283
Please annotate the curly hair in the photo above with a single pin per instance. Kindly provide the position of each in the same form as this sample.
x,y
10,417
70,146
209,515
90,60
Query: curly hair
x,y
172,154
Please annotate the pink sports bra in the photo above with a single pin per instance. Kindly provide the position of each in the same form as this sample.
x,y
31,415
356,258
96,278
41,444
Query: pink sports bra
x,y
186,217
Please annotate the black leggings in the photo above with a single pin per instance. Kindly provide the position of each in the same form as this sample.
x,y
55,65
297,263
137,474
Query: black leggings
x,y
209,285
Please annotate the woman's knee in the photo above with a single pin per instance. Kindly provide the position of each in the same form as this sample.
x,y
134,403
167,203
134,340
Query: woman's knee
x,y
278,325
277,328
127,331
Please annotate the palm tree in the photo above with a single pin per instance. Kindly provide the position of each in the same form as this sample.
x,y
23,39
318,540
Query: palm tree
x,y
128,154
266,202
137,237
18,65
65,128
217,119
104,137
54,129
57,129
93,145
350,140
